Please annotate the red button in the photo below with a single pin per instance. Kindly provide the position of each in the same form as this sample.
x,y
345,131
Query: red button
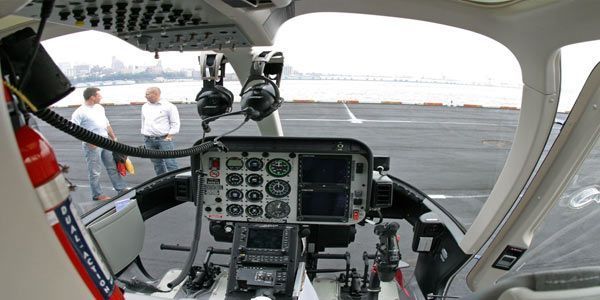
x,y
215,163
355,215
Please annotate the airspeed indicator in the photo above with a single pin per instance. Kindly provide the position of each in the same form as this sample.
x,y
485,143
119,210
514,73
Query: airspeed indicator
x,y
279,167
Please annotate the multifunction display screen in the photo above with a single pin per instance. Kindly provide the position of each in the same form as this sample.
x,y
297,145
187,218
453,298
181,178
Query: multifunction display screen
x,y
264,238
325,169
324,203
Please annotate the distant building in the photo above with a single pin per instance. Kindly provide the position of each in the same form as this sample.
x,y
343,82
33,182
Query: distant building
x,y
288,70
135,69
81,70
158,69
117,65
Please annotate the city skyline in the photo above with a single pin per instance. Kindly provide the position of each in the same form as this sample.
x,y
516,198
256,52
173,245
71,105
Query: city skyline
x,y
118,71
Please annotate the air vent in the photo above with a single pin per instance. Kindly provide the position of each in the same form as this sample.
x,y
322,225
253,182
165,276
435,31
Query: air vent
x,y
182,189
383,191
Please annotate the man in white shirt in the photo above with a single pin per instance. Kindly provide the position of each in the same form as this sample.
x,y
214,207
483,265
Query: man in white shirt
x,y
160,122
92,117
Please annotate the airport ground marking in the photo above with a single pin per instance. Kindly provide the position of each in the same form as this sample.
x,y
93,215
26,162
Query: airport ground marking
x,y
353,118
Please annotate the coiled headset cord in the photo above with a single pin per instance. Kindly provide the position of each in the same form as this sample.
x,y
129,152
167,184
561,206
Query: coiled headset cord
x,y
87,136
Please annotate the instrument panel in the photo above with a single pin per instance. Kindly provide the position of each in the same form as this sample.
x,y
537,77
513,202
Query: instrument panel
x,y
289,183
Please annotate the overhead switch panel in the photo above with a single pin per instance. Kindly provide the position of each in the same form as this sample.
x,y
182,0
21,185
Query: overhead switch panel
x,y
152,25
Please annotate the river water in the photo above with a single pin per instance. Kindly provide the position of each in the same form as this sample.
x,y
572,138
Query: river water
x,y
327,91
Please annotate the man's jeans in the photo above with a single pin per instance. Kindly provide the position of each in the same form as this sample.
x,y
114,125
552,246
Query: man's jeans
x,y
93,158
161,165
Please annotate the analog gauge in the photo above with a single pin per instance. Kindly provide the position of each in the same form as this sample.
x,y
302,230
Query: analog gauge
x,y
277,209
278,188
234,179
278,167
254,195
254,164
234,163
234,210
234,195
254,180
254,211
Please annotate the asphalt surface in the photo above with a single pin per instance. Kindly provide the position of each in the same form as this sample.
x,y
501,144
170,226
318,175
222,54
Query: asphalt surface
x,y
454,154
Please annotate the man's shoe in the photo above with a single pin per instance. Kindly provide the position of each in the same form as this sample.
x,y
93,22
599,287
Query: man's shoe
x,y
102,198
125,190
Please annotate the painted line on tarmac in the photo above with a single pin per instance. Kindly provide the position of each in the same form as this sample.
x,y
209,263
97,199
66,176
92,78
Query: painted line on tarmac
x,y
433,122
353,118
457,196
402,121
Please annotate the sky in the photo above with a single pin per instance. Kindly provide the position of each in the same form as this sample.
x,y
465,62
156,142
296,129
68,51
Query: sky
x,y
355,44
334,43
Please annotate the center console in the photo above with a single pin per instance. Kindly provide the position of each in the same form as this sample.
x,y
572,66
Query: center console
x,y
264,257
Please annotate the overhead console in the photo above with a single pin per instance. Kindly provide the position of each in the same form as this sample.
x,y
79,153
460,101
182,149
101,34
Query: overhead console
x,y
177,25
287,180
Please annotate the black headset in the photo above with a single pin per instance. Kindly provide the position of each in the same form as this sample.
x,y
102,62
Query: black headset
x,y
213,99
260,94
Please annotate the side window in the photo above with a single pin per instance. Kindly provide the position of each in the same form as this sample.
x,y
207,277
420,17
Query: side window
x,y
566,237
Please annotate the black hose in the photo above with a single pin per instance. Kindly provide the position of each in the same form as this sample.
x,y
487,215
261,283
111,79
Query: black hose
x,y
87,136
197,230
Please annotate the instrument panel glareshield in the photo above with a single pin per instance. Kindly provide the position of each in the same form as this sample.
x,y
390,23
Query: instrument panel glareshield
x,y
287,180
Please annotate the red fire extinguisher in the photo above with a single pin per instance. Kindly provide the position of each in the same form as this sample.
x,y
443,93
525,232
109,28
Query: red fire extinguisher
x,y
50,185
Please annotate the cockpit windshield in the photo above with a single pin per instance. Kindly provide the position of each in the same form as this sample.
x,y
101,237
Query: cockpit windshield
x,y
439,101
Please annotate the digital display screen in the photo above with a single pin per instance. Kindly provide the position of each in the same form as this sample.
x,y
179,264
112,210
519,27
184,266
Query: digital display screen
x,y
234,163
325,169
264,238
324,203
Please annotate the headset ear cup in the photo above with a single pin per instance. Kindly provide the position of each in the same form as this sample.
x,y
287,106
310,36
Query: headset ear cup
x,y
262,96
213,101
227,95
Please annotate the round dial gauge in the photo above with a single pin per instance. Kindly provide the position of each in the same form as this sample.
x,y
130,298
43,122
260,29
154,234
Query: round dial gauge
x,y
254,195
254,211
254,164
254,180
278,188
278,167
234,195
234,179
234,163
234,210
277,209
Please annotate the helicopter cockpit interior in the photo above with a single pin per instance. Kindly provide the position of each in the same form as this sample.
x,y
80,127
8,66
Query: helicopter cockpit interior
x,y
273,206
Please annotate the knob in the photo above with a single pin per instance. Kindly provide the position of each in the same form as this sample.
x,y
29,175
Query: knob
x,y
91,10
64,15
106,8
166,7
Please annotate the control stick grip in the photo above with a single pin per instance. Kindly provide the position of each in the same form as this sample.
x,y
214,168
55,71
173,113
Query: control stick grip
x,y
389,255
